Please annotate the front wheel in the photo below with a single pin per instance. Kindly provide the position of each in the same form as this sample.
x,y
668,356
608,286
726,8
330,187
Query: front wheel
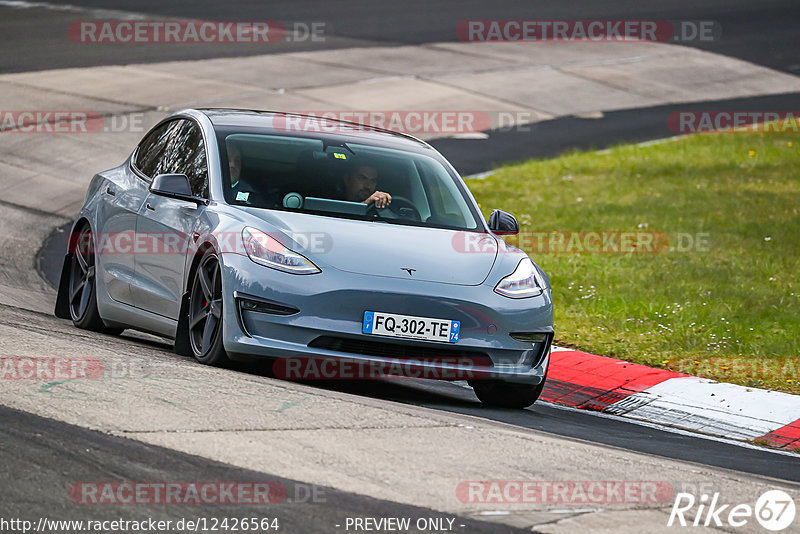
x,y
499,394
205,312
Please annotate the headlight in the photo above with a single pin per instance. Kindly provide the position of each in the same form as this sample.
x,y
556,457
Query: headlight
x,y
525,281
265,250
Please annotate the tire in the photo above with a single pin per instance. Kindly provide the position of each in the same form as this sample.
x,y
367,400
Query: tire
x,y
82,285
205,312
499,394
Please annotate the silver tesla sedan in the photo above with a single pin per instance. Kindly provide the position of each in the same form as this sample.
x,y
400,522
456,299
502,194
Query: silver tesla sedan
x,y
335,249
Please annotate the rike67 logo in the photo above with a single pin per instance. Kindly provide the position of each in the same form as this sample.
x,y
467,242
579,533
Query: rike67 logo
x,y
774,510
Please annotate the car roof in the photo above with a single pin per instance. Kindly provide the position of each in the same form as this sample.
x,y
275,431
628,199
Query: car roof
x,y
315,125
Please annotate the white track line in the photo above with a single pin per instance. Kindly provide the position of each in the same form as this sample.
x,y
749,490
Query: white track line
x,y
94,12
671,429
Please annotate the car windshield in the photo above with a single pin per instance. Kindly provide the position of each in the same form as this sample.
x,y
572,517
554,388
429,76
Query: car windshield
x,y
313,176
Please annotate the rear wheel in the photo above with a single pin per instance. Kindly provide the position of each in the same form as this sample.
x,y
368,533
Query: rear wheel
x,y
501,394
205,312
83,287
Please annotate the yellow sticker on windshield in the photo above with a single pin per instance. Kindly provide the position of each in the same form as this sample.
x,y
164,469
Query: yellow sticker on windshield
x,y
338,155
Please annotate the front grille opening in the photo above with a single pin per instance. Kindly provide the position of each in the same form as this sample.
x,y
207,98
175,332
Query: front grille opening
x,y
540,341
433,354
265,306
530,337
249,303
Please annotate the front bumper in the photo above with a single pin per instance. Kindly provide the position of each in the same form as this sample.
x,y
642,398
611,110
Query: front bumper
x,y
330,308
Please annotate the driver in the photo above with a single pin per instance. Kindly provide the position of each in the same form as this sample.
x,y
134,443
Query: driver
x,y
360,186
241,189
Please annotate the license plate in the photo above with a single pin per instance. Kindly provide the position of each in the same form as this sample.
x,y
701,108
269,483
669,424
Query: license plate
x,y
411,327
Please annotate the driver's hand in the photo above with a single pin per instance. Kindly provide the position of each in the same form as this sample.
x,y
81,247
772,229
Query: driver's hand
x,y
380,199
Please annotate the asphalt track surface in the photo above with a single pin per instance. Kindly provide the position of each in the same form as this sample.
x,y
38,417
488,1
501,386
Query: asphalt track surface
x,y
608,430
44,458
763,32
48,455
551,138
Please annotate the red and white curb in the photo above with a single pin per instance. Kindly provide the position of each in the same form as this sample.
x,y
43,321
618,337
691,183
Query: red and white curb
x,y
617,387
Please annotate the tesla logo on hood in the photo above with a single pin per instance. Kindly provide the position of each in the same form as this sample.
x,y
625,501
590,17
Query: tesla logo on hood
x,y
409,270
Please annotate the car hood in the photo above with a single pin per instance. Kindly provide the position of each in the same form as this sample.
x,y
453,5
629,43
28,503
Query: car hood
x,y
385,249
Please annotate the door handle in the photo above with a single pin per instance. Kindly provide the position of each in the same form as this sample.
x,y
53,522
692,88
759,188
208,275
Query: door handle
x,y
151,208
110,191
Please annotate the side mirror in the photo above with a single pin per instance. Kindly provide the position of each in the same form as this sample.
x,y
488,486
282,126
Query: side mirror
x,y
503,223
175,186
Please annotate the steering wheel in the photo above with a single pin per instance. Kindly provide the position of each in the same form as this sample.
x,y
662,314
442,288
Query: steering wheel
x,y
400,208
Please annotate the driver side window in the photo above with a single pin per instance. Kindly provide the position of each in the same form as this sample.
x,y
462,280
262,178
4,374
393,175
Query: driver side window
x,y
186,154
175,147
150,154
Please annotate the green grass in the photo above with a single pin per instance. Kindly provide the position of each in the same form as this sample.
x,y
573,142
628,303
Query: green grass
x,y
728,309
